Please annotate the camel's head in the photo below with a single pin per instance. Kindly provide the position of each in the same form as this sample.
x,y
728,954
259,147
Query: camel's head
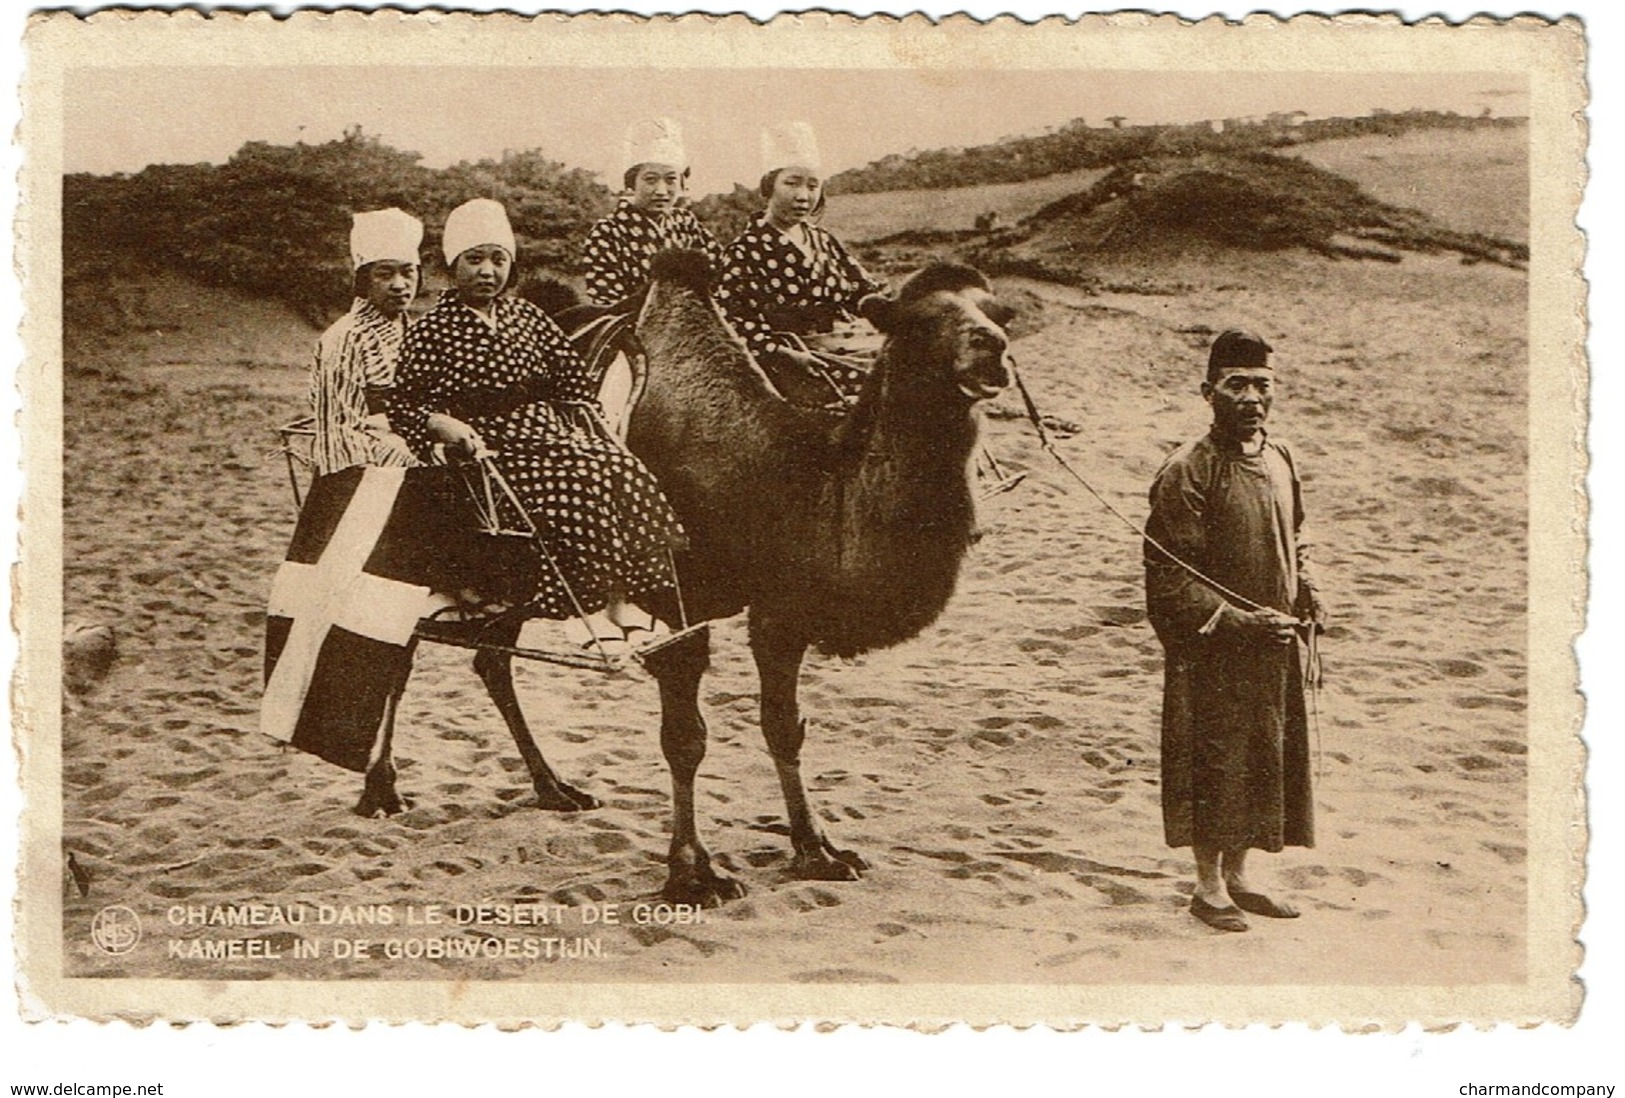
x,y
947,314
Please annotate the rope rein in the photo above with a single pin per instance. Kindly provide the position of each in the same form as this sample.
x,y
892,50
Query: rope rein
x,y
1048,445
1308,628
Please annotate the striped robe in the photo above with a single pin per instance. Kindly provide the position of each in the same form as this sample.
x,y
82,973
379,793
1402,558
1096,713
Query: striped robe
x,y
356,354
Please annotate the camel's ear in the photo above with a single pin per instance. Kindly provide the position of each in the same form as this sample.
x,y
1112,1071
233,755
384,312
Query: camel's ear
x,y
877,310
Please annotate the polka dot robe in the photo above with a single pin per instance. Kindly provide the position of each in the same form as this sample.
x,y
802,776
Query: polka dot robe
x,y
769,284
600,511
618,249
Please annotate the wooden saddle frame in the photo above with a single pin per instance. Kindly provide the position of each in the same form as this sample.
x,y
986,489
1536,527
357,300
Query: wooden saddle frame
x,y
618,365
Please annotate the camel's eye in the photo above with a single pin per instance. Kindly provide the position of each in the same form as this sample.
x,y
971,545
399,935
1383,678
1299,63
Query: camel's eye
x,y
999,313
983,340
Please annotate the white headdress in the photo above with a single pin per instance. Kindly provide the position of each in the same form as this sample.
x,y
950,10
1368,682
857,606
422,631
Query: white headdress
x,y
378,235
477,221
654,141
790,143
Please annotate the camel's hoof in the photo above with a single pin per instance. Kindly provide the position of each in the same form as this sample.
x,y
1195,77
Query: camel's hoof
x,y
375,805
564,798
701,886
828,864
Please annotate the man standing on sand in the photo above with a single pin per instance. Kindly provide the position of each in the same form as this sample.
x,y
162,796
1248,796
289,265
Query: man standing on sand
x,y
1235,750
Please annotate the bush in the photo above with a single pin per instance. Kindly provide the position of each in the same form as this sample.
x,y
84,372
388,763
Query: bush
x,y
726,215
275,219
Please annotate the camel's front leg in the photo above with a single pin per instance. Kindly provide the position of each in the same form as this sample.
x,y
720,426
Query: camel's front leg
x,y
496,671
778,662
691,878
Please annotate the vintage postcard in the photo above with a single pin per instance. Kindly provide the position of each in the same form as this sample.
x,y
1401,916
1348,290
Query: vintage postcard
x,y
688,520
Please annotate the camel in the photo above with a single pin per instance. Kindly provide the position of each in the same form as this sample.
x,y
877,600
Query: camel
x,y
842,533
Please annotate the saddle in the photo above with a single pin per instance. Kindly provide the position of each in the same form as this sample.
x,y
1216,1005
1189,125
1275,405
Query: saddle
x,y
616,364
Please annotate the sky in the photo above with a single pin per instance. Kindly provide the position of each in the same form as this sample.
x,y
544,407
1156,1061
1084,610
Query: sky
x,y
122,119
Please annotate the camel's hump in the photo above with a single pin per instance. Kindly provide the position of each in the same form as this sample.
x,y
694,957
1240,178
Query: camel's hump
x,y
684,267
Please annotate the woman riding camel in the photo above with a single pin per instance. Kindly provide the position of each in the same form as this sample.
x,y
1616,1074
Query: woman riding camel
x,y
652,218
487,375
355,358
789,285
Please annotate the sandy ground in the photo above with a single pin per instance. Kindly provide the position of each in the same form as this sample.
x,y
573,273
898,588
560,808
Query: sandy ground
x,y
1000,772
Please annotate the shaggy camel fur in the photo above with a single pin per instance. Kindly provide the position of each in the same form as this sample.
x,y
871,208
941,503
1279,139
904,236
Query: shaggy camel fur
x,y
841,533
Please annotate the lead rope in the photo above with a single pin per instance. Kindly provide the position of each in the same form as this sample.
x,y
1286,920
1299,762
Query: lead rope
x,y
1312,671
1048,445
493,476
1312,679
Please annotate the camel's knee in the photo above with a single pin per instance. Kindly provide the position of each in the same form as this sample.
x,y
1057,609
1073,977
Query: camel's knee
x,y
784,739
683,744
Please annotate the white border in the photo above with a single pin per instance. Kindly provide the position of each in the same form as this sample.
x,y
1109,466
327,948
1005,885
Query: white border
x,y
254,1060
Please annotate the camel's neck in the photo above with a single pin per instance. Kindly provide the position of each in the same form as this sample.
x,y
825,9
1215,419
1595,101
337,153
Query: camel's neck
x,y
902,485
913,413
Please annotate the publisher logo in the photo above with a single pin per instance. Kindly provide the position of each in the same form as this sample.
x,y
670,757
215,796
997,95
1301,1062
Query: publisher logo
x,y
115,929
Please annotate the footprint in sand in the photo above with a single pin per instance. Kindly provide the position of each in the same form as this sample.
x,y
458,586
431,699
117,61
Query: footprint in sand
x,y
1488,701
1459,669
1120,615
655,935
810,899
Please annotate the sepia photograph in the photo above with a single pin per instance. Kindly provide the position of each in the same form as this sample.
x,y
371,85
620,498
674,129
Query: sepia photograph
x,y
704,522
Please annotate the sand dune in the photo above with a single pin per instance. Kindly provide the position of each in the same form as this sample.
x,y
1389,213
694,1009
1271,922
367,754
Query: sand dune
x,y
1000,772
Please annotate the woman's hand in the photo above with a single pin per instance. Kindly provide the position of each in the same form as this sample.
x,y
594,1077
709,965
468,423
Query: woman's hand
x,y
458,437
806,360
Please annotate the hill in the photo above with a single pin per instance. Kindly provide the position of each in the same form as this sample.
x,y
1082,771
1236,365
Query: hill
x,y
870,216
1078,145
1475,180
1177,206
162,317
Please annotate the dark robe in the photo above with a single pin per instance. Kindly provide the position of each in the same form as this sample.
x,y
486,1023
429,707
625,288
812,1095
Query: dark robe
x,y
1235,733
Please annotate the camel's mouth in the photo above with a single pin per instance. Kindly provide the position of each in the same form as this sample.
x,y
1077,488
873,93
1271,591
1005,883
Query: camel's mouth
x,y
985,380
980,391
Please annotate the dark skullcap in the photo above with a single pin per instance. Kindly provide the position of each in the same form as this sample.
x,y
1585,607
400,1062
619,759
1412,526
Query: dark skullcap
x,y
1237,349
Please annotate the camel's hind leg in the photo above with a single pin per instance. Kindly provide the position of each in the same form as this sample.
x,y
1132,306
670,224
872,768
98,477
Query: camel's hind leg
x,y
379,797
691,878
778,662
496,671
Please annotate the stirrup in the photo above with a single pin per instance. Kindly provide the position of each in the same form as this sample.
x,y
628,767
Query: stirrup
x,y
612,650
662,641
988,467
